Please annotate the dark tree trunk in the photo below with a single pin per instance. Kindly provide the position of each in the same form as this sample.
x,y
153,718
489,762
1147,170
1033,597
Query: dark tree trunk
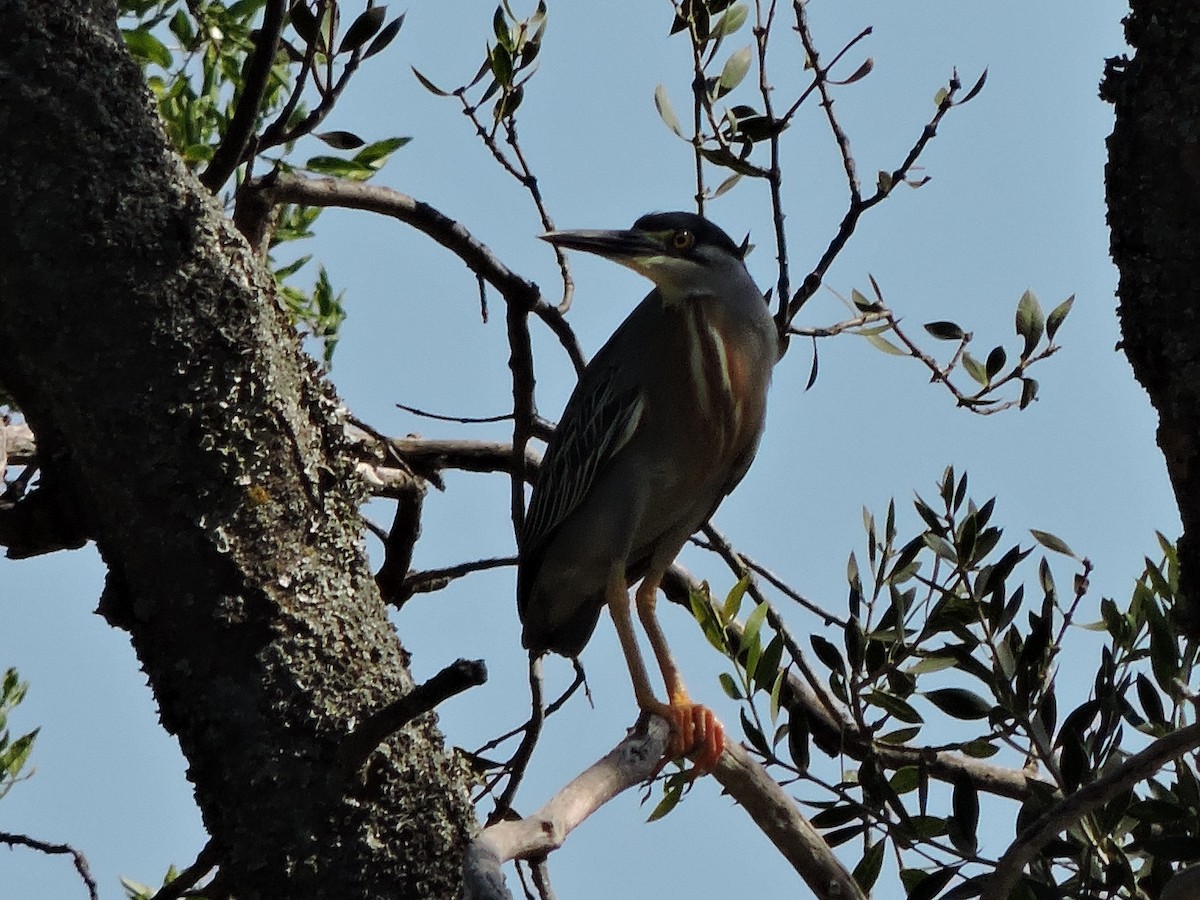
x,y
1153,179
205,455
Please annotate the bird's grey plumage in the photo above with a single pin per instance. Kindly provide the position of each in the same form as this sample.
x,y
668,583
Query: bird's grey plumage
x,y
662,425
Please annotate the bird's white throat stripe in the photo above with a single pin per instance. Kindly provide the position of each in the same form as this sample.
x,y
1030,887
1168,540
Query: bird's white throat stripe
x,y
709,363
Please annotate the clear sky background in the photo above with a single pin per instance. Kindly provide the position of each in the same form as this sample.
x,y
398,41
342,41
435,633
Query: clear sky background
x,y
1016,201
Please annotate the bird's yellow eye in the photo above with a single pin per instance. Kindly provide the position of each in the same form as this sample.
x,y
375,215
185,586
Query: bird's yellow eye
x,y
683,240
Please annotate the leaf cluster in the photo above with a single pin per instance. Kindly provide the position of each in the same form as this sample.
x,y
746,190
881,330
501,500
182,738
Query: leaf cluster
x,y
14,751
956,627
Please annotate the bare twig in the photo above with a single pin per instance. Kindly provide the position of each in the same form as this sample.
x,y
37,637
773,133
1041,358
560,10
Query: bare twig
x,y
392,577
1071,809
858,204
435,579
533,730
454,679
205,862
238,135
282,187
461,420
81,864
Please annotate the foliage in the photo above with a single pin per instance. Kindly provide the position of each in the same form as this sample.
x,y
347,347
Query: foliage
x,y
197,56
935,626
14,752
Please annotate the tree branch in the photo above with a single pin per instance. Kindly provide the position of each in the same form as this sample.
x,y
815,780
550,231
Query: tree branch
x,y
776,814
81,865
454,679
290,188
630,763
228,155
1070,810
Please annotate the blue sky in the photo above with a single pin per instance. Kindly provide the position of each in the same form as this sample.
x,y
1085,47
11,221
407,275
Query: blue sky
x,y
1015,202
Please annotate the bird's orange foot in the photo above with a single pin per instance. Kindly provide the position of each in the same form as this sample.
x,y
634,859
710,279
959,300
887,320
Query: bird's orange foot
x,y
695,733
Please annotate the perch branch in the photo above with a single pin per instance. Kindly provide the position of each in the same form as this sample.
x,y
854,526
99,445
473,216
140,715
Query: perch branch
x,y
630,763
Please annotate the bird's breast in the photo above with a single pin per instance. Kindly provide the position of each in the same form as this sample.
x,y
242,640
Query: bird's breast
x,y
728,366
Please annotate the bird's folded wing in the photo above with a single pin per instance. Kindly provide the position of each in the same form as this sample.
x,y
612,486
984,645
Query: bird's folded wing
x,y
590,435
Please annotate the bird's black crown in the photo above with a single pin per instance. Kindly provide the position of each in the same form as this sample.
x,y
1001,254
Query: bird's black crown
x,y
704,231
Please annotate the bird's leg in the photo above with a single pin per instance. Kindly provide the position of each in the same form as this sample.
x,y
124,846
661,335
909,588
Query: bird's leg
x,y
618,605
695,730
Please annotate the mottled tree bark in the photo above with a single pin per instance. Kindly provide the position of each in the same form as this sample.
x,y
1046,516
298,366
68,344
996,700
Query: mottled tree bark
x,y
204,453
1153,179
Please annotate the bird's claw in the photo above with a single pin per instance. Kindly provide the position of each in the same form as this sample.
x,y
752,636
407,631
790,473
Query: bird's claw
x,y
695,733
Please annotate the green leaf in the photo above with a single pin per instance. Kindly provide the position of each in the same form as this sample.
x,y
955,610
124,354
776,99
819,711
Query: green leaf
x,y
733,19
501,64
945,331
146,48
376,154
734,71
343,168
384,37
879,342
733,600
1052,542
1057,315
304,21
663,104
363,28
753,625
930,884
894,705
964,822
974,368
1029,389
995,362
429,85
729,686
932,664
866,873
899,736
340,140
1030,322
727,184
959,703
978,86
827,653
671,798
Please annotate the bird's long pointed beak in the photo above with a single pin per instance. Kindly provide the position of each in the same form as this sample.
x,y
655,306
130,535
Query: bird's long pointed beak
x,y
618,245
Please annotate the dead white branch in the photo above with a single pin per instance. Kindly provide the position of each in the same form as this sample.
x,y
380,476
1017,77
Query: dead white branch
x,y
630,763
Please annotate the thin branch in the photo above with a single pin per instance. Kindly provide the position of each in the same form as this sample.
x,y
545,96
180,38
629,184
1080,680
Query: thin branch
x,y
392,577
1071,809
461,420
281,187
858,205
454,679
205,862
229,155
762,34
430,580
533,730
81,864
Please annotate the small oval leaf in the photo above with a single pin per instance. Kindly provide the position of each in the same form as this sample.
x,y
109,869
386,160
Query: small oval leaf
x,y
959,703
665,111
